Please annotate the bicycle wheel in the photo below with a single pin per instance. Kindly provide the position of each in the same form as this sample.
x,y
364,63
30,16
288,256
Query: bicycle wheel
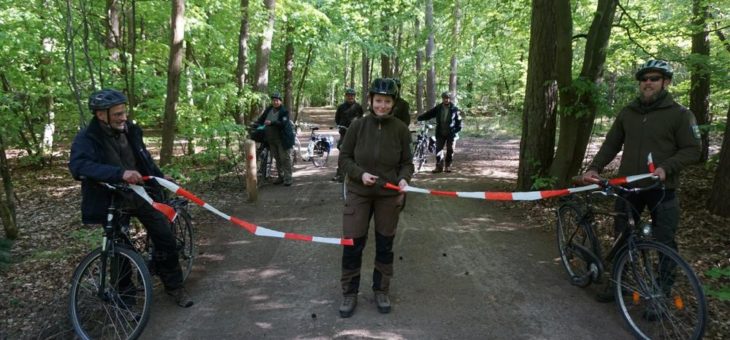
x,y
419,156
182,228
263,164
320,153
660,295
577,246
118,310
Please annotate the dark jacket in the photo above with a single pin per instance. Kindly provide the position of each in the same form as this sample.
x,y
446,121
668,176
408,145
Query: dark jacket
x,y
453,122
666,129
283,124
90,164
347,112
402,111
380,146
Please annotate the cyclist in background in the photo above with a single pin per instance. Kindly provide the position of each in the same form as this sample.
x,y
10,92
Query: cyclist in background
x,y
448,125
653,123
279,136
345,114
401,110
376,148
111,150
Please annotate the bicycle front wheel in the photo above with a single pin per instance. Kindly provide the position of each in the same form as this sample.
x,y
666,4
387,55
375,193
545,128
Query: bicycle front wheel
x,y
320,153
120,307
575,244
419,156
659,295
182,228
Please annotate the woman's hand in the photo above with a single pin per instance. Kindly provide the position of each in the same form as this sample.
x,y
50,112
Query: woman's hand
x,y
402,184
369,179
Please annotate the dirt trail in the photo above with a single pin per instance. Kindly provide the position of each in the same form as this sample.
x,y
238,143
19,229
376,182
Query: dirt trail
x,y
464,269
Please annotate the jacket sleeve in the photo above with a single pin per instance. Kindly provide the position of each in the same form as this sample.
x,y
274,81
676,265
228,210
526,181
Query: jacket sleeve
x,y
689,145
611,146
262,117
406,167
457,121
359,111
84,163
338,115
347,153
429,114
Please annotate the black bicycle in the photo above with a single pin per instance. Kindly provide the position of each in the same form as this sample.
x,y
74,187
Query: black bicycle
x,y
424,146
657,293
111,288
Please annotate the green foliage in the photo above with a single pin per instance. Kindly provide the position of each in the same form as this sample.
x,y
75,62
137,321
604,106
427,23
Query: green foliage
x,y
721,292
539,182
88,237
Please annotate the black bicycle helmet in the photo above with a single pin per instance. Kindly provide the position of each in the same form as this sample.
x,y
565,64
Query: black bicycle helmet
x,y
397,82
445,95
276,95
384,86
660,66
105,99
350,90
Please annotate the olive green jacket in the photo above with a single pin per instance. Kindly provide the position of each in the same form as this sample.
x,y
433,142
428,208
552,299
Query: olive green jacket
x,y
402,111
665,129
380,146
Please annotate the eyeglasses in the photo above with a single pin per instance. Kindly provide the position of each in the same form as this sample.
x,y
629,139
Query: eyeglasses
x,y
652,79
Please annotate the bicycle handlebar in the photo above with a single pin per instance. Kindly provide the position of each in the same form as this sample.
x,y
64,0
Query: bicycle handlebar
x,y
606,186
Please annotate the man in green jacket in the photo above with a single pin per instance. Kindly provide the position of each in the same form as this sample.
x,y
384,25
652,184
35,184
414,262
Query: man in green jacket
x,y
401,109
653,123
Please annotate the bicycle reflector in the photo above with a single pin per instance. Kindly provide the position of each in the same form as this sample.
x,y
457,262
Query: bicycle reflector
x,y
678,302
636,298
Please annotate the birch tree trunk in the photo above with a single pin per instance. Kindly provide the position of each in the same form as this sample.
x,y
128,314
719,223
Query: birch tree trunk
x,y
177,36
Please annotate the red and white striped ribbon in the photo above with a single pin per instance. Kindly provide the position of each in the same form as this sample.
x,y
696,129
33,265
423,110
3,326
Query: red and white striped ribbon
x,y
515,196
250,227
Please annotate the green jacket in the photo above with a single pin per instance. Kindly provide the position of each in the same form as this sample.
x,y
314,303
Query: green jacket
x,y
402,111
665,129
380,146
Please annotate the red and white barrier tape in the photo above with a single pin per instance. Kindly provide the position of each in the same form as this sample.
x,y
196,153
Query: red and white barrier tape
x,y
515,196
252,228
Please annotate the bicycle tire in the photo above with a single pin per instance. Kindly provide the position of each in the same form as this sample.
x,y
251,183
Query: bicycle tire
x,y
320,154
182,228
658,294
123,311
420,156
263,165
575,243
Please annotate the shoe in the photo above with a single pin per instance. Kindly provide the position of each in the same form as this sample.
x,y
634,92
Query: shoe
x,y
181,297
383,302
287,184
447,169
347,308
337,178
278,181
437,170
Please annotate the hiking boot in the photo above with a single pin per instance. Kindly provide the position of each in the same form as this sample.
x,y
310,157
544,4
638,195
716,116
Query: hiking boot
x,y
347,308
447,169
437,170
337,178
383,302
278,181
181,297
287,183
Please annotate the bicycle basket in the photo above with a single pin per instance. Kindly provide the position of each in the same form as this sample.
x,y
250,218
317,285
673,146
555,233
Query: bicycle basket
x,y
257,134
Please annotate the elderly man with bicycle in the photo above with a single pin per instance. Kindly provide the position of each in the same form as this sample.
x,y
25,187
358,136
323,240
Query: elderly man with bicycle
x,y
111,150
652,124
448,126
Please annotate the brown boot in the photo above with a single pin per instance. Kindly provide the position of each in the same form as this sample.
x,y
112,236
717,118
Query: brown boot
x,y
181,297
437,170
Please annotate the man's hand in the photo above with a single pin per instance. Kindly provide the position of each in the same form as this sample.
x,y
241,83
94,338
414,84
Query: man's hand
x,y
591,176
659,172
267,122
369,179
132,176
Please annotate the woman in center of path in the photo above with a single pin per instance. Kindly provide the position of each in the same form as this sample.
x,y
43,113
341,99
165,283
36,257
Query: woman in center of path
x,y
376,149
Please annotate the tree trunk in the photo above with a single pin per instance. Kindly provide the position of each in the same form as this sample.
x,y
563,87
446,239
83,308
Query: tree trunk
x,y
430,63
578,110
301,82
419,71
718,203
699,92
242,65
263,56
352,72
114,28
396,58
546,62
69,58
177,38
289,67
7,204
365,79
454,62
132,47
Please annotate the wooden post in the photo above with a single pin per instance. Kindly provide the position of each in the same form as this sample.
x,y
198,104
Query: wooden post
x,y
251,181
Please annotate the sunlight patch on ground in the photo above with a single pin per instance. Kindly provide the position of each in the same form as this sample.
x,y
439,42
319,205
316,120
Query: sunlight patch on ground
x,y
264,325
367,334
212,257
270,273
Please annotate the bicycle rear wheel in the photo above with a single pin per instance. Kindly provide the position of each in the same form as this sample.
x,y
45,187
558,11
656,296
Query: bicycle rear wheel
x,y
576,244
263,164
658,294
118,310
320,153
419,156
182,228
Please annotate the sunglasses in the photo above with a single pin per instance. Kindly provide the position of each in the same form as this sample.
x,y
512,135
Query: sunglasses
x,y
652,79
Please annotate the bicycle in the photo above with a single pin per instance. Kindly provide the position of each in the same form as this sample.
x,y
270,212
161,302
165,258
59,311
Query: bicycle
x,y
318,150
111,288
424,146
264,157
657,293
